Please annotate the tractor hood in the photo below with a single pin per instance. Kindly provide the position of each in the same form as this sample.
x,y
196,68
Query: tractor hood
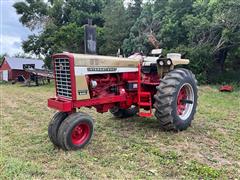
x,y
83,60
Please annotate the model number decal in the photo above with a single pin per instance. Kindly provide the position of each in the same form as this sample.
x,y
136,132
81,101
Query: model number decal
x,y
102,69
82,92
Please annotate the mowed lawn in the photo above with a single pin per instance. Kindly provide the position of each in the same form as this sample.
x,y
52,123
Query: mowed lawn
x,y
133,148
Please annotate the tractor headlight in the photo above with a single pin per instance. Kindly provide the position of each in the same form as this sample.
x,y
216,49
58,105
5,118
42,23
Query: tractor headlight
x,y
161,63
169,62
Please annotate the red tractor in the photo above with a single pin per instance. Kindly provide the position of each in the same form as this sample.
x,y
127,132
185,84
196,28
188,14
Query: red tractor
x,y
125,87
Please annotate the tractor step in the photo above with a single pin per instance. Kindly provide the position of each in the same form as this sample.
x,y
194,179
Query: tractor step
x,y
144,98
145,102
143,114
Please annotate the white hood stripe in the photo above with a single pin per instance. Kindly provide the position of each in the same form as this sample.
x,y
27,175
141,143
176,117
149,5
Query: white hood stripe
x,y
79,71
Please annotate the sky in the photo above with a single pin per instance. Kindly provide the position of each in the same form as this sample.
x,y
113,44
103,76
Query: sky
x,y
12,32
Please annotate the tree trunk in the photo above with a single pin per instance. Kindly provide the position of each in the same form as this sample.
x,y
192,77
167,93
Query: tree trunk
x,y
220,57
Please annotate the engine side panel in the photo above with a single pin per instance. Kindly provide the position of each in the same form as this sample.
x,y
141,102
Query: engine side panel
x,y
82,88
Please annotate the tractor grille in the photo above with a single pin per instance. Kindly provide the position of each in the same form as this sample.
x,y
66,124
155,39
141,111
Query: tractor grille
x,y
63,80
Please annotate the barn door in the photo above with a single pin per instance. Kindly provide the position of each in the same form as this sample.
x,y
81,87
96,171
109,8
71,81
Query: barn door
x,y
5,75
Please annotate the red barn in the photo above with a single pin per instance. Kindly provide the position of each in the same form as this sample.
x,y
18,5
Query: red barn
x,y
12,67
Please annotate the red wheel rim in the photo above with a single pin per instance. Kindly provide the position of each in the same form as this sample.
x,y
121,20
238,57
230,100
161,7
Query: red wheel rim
x,y
185,94
80,134
182,95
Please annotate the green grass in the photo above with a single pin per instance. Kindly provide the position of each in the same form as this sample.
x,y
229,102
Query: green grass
x,y
133,148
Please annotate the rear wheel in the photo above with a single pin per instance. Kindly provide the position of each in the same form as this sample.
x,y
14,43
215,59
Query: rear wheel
x,y
76,131
54,126
176,100
124,113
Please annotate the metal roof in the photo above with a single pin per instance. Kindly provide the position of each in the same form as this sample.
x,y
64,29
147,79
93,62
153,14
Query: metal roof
x,y
17,63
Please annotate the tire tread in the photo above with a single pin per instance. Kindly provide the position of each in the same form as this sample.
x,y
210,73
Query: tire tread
x,y
165,96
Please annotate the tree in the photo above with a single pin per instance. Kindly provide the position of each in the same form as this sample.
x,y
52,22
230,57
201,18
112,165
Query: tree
x,y
33,13
134,10
144,26
78,11
205,31
217,26
39,13
61,23
226,21
115,26
22,55
2,56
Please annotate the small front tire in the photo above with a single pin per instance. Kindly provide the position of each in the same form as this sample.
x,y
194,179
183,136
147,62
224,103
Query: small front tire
x,y
76,131
54,125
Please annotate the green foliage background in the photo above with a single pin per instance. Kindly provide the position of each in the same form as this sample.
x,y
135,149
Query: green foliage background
x,y
205,31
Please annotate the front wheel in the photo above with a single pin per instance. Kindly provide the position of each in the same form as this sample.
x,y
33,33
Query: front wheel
x,y
76,131
176,100
54,125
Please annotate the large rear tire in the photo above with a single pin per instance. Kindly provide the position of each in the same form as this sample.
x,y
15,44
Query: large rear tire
x,y
76,131
54,126
176,100
124,113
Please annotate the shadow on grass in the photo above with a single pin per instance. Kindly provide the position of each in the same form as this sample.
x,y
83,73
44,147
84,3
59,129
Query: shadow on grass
x,y
137,123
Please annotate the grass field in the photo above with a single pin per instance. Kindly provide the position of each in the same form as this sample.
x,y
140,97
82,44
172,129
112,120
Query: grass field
x,y
129,148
